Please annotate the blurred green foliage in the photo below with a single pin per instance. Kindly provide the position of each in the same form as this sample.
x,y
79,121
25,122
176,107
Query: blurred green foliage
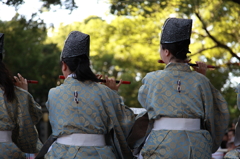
x,y
26,52
127,47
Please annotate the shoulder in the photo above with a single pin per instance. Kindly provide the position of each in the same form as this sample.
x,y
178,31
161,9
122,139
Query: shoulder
x,y
105,88
66,85
56,90
199,77
153,75
105,92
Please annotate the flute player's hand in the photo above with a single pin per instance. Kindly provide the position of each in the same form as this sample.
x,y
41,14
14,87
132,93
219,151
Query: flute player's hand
x,y
111,83
21,82
201,68
99,77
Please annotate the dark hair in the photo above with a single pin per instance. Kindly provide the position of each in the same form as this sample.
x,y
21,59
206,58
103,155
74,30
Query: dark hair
x,y
232,131
6,82
80,65
178,49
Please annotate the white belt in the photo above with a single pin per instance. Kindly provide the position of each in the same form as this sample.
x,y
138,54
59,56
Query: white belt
x,y
82,140
176,124
5,136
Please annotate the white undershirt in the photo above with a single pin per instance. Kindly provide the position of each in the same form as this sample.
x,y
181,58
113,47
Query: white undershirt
x,y
71,75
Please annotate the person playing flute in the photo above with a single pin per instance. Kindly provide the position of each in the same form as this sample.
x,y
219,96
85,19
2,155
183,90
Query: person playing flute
x,y
187,115
19,113
88,119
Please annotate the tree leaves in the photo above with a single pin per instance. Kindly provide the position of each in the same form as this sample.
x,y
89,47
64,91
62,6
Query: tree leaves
x,y
27,54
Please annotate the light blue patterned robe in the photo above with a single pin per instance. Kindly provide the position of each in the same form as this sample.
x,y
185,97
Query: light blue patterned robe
x,y
99,111
235,154
160,97
20,117
238,96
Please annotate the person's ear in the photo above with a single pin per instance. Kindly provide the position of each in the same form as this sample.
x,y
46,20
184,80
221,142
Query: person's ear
x,y
64,66
167,52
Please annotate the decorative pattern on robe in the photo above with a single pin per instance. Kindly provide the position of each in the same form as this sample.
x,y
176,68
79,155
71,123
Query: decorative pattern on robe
x,y
238,96
233,154
161,97
99,111
20,117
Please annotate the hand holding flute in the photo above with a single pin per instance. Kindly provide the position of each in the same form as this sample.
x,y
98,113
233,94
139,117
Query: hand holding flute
x,y
201,67
111,83
21,82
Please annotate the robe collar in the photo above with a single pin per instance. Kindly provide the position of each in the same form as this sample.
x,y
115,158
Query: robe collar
x,y
178,67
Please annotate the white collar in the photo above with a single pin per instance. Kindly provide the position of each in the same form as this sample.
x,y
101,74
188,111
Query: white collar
x,y
72,75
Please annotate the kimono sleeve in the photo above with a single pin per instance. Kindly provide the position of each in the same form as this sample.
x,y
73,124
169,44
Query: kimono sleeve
x,y
238,96
124,114
237,128
143,92
29,112
217,116
121,121
50,97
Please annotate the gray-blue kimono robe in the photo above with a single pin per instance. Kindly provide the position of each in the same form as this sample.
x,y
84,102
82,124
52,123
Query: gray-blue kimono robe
x,y
195,97
238,96
20,117
235,154
99,111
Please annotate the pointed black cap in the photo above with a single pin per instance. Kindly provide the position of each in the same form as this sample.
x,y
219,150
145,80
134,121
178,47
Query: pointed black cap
x,y
76,44
176,30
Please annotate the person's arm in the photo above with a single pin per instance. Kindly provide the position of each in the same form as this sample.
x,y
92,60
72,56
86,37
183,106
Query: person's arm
x,y
28,114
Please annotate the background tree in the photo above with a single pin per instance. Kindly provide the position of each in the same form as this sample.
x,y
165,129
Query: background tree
x,y
66,4
124,48
147,7
215,37
26,53
127,47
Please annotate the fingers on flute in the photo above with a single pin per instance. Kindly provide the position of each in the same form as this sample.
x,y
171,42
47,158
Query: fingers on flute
x,y
119,84
21,79
202,67
107,79
20,76
188,60
16,79
99,76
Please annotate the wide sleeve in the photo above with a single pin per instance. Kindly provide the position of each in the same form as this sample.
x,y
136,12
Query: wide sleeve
x,y
237,128
50,97
124,114
143,92
29,112
121,120
216,115
238,96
